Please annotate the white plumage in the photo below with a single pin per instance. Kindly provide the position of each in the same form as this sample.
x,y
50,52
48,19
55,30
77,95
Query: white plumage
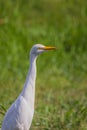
x,y
19,116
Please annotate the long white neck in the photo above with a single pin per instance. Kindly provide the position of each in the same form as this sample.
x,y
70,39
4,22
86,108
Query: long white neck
x,y
29,88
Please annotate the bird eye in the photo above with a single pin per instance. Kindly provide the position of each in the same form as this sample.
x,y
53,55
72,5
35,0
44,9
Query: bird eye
x,y
39,48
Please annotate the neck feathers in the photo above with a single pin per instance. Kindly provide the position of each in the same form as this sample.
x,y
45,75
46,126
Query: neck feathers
x,y
29,88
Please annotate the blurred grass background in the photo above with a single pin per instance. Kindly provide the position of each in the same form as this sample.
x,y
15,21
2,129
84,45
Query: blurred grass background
x,y
61,92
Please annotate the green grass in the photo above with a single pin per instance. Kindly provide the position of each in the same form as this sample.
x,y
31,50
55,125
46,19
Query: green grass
x,y
61,86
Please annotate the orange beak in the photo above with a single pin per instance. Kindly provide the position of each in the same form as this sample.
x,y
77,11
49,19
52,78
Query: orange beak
x,y
48,48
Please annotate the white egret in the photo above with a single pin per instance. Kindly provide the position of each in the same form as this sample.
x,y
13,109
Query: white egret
x,y
19,115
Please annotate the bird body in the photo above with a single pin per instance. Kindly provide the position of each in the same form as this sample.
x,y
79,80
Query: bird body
x,y
19,116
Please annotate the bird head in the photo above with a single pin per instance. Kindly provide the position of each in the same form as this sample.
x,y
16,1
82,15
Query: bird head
x,y
39,48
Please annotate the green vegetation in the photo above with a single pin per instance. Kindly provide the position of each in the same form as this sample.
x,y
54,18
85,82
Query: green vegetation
x,y
61,87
